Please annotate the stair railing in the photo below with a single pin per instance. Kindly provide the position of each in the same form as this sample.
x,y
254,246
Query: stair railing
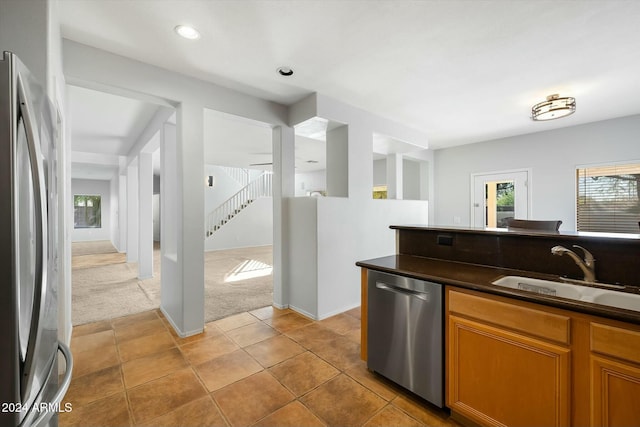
x,y
262,186
240,175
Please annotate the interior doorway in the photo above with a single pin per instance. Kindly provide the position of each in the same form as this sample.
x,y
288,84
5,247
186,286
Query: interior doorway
x,y
499,196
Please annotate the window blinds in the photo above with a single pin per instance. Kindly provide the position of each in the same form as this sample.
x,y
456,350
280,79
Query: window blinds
x,y
608,199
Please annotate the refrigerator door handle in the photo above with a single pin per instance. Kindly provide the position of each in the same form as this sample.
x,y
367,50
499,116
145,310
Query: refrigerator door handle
x,y
56,401
41,231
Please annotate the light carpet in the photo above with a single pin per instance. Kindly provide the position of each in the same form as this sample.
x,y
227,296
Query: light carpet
x,y
103,292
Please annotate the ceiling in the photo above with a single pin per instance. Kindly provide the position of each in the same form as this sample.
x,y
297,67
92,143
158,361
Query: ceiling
x,y
460,71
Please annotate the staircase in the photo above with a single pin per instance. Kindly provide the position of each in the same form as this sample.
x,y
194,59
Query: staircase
x,y
262,186
240,175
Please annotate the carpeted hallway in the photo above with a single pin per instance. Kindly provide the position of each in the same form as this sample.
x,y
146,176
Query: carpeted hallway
x,y
105,286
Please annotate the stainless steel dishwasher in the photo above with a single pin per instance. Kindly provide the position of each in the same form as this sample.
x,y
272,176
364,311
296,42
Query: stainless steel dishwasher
x,y
405,333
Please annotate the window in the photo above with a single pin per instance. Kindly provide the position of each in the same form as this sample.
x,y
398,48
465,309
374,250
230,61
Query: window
x,y
86,211
608,198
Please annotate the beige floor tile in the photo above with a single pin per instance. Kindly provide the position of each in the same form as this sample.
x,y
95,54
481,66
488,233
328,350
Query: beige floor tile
x,y
235,321
109,411
354,335
145,345
253,398
295,414
199,413
355,312
303,373
161,396
210,331
274,350
341,323
86,362
132,319
313,336
288,322
128,331
390,416
91,328
251,334
92,341
342,401
341,352
200,351
269,312
422,411
227,369
154,366
94,386
377,384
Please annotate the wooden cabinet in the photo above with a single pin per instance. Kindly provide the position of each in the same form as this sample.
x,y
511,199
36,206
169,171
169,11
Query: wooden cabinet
x,y
513,363
615,376
498,373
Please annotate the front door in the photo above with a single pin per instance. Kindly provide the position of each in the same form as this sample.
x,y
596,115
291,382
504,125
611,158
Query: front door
x,y
499,196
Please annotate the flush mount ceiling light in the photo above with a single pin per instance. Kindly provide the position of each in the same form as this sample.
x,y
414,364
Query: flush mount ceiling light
x,y
285,71
553,108
187,32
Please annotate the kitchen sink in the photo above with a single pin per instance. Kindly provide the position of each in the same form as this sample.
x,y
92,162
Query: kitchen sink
x,y
607,297
618,299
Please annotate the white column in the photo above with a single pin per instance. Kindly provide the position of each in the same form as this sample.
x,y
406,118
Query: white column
x,y
182,217
424,180
145,215
132,213
283,139
338,162
122,213
394,176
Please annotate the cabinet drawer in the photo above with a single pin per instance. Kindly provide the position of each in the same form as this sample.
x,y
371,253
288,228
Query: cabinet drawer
x,y
512,315
616,342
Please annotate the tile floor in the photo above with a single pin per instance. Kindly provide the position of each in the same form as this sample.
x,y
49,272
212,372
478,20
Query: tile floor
x,y
267,367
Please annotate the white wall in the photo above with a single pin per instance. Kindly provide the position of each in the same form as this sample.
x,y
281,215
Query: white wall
x,y
329,234
411,180
551,155
253,226
310,181
90,187
379,172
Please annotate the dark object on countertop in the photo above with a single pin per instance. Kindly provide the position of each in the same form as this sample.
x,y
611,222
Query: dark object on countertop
x,y
533,225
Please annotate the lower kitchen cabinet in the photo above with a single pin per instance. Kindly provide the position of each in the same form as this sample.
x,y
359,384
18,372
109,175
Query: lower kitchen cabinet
x,y
498,377
514,363
615,376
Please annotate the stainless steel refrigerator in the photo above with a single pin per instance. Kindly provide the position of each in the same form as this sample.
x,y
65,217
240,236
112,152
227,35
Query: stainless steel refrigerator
x,y
30,392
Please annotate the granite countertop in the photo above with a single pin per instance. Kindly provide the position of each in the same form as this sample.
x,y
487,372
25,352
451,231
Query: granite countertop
x,y
480,278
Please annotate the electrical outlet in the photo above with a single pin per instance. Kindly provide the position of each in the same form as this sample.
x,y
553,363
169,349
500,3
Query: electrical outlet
x,y
457,220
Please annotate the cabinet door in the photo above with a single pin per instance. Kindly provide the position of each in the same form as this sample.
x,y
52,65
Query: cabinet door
x,y
499,378
615,393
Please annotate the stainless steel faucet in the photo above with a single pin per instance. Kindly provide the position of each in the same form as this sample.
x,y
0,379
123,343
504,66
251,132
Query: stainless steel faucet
x,y
588,265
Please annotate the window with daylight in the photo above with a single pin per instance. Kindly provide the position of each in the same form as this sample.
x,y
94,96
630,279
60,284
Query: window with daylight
x,y
86,212
608,198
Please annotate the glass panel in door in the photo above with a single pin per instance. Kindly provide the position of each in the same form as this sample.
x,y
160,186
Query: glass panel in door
x,y
496,197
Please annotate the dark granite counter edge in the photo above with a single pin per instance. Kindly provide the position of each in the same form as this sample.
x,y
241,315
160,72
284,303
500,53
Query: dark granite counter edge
x,y
617,238
461,274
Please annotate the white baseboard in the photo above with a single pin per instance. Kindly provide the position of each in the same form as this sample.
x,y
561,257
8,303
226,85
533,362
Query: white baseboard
x,y
175,328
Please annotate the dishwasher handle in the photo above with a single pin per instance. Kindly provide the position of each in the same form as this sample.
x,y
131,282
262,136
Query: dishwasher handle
x,y
424,296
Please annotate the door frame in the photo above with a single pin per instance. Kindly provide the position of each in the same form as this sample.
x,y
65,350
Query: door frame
x,y
472,179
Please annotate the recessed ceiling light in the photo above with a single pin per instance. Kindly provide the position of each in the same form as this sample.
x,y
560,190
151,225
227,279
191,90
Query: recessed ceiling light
x,y
187,32
285,71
